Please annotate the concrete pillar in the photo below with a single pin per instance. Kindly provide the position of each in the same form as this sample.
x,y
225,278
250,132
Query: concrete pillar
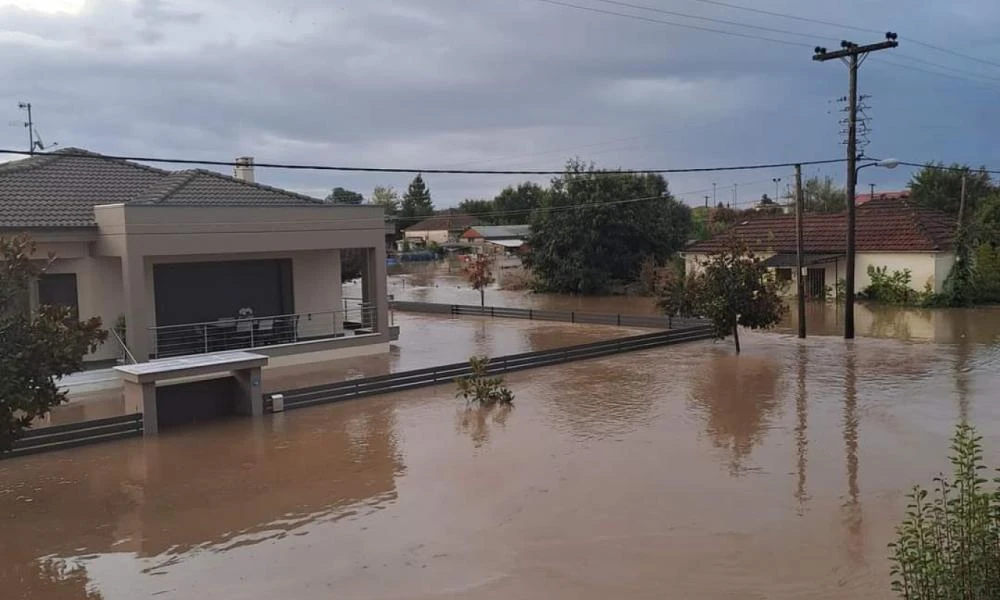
x,y
141,398
374,289
138,307
249,398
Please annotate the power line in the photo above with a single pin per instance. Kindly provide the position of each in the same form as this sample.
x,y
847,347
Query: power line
x,y
305,167
946,67
942,167
938,73
674,23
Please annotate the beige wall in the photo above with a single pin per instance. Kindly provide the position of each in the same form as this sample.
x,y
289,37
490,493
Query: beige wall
x,y
438,237
317,289
924,267
99,294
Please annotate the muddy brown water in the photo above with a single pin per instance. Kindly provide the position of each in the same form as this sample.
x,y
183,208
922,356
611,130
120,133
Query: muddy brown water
x,y
681,472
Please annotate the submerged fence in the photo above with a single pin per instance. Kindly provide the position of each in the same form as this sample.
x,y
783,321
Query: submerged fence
x,y
406,380
59,437
535,314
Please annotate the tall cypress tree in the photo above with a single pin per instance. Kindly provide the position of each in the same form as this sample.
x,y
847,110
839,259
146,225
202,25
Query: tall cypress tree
x,y
416,203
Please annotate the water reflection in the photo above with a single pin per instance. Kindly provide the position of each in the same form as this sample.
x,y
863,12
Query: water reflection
x,y
737,395
478,421
190,493
801,427
852,505
47,579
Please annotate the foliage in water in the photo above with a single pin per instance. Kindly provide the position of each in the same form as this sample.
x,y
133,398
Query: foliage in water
x,y
948,545
480,273
479,388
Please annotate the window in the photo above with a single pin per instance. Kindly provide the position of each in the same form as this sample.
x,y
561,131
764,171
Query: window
x,y
783,274
58,289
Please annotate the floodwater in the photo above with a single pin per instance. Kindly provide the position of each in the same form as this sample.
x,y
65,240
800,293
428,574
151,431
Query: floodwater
x,y
680,472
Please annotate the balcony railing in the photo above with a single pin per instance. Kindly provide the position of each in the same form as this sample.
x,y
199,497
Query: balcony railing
x,y
259,332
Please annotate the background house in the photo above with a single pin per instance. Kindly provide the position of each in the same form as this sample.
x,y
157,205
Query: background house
x,y
185,256
498,239
440,229
889,233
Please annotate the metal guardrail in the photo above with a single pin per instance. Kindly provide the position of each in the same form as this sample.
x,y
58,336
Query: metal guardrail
x,y
565,316
406,380
59,437
260,332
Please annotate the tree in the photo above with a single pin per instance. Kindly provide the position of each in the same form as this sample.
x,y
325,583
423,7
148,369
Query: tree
x,y
480,389
594,228
481,209
387,198
341,196
678,293
733,289
34,349
823,196
480,274
941,188
513,206
416,204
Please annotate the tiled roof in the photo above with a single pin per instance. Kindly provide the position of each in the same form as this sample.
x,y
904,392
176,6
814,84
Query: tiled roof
x,y
881,226
860,199
446,222
491,232
61,189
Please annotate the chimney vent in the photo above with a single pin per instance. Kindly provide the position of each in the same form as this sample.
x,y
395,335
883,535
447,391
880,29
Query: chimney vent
x,y
244,169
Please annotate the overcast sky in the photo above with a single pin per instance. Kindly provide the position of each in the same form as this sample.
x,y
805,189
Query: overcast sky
x,y
496,84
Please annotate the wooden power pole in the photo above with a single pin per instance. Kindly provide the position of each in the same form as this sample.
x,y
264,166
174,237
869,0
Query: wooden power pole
x,y
852,54
800,287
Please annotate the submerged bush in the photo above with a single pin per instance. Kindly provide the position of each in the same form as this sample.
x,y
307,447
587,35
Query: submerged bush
x,y
479,388
948,546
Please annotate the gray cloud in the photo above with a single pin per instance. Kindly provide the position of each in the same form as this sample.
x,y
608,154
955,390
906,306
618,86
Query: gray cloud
x,y
485,83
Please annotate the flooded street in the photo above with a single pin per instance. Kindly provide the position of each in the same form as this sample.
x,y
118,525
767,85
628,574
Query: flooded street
x,y
681,472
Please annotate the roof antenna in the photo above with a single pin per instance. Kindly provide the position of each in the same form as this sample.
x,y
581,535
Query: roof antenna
x,y
34,140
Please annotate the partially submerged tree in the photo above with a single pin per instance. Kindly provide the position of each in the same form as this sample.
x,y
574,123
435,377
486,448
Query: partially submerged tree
x,y
731,289
679,293
514,205
480,274
34,348
479,388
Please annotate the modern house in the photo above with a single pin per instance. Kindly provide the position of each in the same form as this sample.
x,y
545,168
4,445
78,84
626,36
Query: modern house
x,y
894,234
195,261
498,239
440,229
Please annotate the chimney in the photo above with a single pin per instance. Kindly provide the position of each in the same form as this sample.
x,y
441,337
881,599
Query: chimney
x,y
244,169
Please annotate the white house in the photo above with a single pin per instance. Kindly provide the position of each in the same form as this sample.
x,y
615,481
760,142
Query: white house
x,y
195,261
440,229
891,233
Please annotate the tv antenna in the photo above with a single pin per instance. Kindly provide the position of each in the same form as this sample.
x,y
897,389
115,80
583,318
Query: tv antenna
x,y
34,140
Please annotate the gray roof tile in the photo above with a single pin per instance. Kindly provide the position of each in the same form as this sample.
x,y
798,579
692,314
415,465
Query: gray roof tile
x,y
61,189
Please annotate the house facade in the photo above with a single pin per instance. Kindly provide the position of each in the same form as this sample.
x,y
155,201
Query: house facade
x,y
196,261
498,239
890,233
439,229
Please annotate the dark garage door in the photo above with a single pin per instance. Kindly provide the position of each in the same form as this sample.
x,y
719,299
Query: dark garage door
x,y
205,291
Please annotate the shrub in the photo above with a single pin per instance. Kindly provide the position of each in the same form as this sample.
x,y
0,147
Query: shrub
x,y
479,388
948,545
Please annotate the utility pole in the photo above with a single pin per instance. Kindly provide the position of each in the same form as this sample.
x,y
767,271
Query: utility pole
x,y
800,287
961,203
706,202
853,55
714,199
30,125
777,181
871,196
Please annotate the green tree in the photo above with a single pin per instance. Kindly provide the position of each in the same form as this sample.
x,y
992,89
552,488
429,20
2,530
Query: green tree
x,y
34,348
514,205
732,289
941,188
416,204
480,274
481,209
616,220
823,196
340,195
387,198
479,388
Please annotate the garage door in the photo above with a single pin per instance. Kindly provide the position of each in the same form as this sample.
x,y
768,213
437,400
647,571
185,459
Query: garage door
x,y
206,291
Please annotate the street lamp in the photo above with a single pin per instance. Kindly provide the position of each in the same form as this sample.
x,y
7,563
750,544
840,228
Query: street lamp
x,y
776,181
888,163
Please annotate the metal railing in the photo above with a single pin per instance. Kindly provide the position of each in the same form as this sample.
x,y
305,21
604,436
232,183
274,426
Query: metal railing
x,y
60,437
405,380
126,353
565,316
260,332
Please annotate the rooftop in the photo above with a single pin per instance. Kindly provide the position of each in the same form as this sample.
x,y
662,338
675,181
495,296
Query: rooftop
x,y
62,188
882,226
495,232
445,222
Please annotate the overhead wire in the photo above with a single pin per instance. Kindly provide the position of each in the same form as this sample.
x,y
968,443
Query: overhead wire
x,y
355,169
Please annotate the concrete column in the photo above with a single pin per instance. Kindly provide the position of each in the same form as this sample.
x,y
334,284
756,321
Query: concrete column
x,y
375,289
138,307
141,398
250,398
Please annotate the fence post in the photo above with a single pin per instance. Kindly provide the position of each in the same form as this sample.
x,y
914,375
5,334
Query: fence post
x,y
493,311
204,329
572,317
251,333
531,314
619,319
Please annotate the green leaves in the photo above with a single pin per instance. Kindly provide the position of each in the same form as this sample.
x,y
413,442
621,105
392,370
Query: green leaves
x,y
416,203
479,388
34,348
948,545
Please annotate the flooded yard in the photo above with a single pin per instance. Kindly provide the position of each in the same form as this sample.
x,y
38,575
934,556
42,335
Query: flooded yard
x,y
676,473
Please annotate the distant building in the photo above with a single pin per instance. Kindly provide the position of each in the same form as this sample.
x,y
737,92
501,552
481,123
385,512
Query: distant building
x,y
498,239
890,233
860,199
440,229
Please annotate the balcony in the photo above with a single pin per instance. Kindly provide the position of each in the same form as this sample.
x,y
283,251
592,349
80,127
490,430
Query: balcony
x,y
234,333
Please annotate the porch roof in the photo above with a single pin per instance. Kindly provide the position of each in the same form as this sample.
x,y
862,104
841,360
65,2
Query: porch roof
x,y
790,260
